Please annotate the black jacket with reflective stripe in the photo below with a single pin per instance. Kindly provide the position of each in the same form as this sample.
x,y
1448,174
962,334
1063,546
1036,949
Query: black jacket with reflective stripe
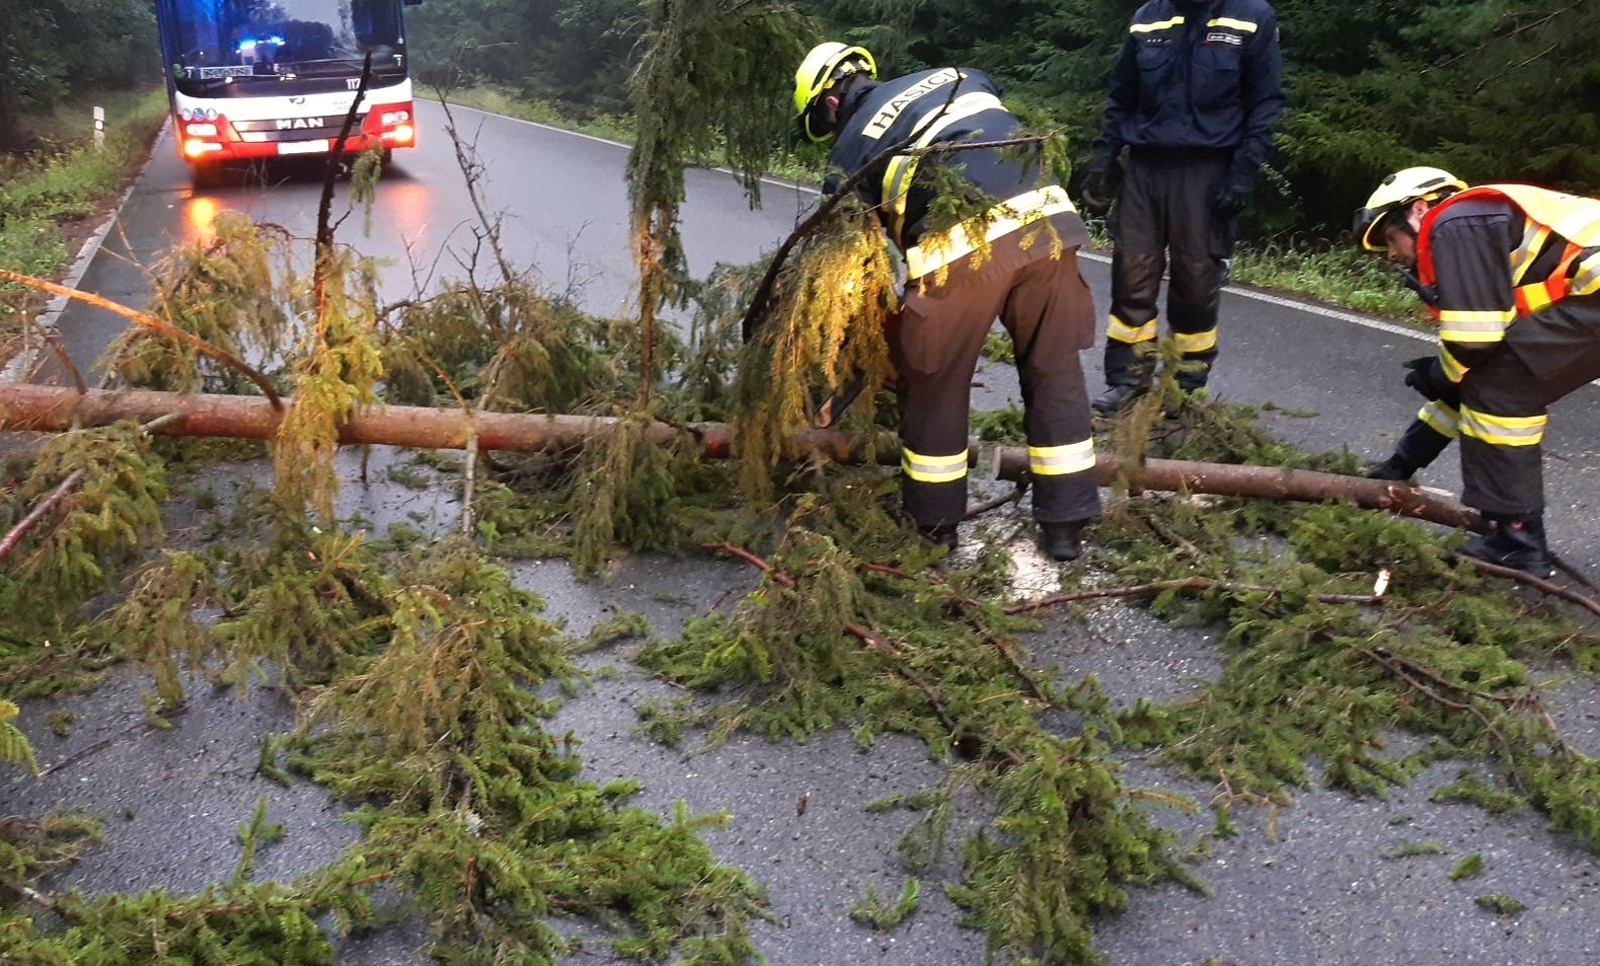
x,y
1485,262
933,106
1197,75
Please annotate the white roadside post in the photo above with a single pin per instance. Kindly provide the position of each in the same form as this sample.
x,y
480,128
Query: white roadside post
x,y
99,128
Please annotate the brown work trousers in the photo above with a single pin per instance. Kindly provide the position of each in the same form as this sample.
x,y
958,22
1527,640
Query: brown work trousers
x,y
1045,306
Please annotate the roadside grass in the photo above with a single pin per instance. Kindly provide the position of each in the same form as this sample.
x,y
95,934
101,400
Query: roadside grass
x,y
1313,269
1346,277
498,100
47,194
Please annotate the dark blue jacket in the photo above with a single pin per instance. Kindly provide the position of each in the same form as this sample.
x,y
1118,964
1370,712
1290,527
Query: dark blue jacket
x,y
932,106
1201,75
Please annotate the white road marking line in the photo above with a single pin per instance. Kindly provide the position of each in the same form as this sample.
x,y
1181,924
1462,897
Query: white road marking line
x,y
1380,325
27,360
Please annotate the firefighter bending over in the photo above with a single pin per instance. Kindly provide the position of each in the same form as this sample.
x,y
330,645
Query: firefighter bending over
x,y
1512,274
1017,261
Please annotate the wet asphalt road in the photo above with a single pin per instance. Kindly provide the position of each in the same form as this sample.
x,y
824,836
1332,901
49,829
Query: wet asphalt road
x,y
1319,890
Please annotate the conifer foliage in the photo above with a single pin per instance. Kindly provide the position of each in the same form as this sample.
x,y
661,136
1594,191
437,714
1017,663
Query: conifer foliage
x,y
424,677
705,87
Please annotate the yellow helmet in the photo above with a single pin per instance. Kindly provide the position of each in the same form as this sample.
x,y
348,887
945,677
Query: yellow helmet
x,y
1397,193
825,66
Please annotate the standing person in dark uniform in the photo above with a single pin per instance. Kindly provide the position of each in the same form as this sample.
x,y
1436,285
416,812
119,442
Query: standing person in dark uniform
x,y
1195,94
1017,260
1512,274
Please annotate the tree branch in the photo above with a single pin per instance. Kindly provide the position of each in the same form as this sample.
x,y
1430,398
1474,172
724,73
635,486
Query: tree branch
x,y
150,322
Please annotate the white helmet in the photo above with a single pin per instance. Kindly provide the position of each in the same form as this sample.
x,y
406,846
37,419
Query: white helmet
x,y
1397,193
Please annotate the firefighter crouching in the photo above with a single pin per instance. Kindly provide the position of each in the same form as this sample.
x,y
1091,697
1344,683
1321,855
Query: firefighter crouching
x,y
1028,277
1511,272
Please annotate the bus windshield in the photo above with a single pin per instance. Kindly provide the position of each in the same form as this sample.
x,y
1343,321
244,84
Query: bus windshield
x,y
234,40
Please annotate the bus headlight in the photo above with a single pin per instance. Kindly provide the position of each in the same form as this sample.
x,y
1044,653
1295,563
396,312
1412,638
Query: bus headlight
x,y
195,148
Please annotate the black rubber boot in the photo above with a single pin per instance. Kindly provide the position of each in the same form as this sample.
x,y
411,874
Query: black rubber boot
x,y
1062,541
1117,398
1513,541
1393,468
1418,447
942,535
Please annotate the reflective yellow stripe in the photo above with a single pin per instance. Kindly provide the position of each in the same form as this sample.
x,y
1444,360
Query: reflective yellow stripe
x,y
1573,218
1453,370
1442,418
1532,240
1123,332
1582,225
1196,341
935,251
1532,298
898,173
933,469
1502,430
1243,26
1146,28
896,183
1462,326
1061,460
1586,281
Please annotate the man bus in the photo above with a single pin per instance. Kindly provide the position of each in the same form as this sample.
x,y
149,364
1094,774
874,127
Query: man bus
x,y
254,79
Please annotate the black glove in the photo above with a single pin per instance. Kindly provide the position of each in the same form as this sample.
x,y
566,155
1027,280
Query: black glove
x,y
1230,196
1101,182
1426,376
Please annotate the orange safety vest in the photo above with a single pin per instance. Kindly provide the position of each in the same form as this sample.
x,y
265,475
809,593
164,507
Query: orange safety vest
x,y
1570,218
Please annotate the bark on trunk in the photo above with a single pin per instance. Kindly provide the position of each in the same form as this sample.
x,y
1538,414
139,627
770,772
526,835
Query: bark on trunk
x,y
1266,482
55,409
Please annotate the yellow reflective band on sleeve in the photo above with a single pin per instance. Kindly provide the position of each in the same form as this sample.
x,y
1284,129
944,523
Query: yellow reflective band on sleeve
x,y
1532,298
933,469
1586,280
1456,325
1061,460
897,175
1444,419
1195,341
1121,331
1243,26
1453,369
1148,28
935,251
1502,430
896,183
1532,242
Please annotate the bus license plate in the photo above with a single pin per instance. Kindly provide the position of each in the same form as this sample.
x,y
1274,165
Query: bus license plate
x,y
319,146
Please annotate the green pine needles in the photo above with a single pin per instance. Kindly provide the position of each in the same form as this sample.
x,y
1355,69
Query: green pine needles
x,y
424,677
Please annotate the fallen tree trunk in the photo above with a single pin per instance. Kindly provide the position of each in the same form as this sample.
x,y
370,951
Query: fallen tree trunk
x,y
55,409
1265,482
